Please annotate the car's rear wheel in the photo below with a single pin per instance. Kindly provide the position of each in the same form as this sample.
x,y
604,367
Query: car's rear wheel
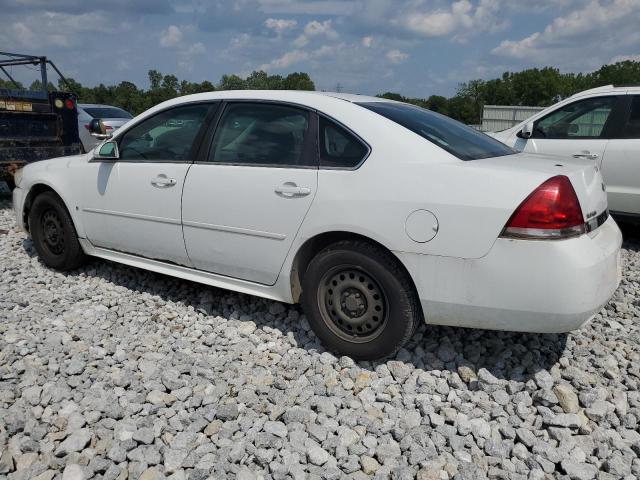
x,y
54,236
359,300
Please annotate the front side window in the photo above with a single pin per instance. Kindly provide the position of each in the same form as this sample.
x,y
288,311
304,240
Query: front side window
x,y
631,127
262,134
338,147
167,136
452,136
582,119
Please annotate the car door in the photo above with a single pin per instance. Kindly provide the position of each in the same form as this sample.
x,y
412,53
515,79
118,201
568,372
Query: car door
x,y
133,204
578,129
621,165
246,197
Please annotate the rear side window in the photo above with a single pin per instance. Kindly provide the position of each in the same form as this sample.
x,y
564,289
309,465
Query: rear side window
x,y
106,112
262,135
631,127
338,147
452,136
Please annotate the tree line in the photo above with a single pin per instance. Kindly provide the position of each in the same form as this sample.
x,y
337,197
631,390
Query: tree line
x,y
532,87
535,87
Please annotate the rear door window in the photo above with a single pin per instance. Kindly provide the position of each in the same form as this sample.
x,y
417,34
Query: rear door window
x,y
263,134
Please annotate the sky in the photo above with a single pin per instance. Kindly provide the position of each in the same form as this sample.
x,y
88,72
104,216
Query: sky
x,y
414,47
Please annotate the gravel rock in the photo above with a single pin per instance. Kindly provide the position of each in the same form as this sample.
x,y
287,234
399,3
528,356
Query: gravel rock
x,y
579,471
567,398
74,442
278,429
227,412
317,455
111,372
369,465
73,472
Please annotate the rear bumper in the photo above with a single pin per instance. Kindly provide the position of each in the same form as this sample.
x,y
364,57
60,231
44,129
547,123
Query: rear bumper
x,y
522,285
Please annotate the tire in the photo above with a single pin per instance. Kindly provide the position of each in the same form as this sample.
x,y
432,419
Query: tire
x,y
359,300
54,236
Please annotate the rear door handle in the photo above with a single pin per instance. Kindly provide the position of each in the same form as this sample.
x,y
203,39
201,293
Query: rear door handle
x,y
290,190
586,154
162,181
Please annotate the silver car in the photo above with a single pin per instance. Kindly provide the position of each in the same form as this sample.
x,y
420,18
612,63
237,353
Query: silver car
x,y
112,117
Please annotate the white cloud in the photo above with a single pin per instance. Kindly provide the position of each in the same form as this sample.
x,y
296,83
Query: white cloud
x,y
197,48
598,26
367,41
47,29
186,56
314,29
461,19
396,56
240,41
171,36
297,56
280,25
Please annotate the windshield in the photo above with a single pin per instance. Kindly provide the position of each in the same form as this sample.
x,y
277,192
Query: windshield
x,y
107,112
456,138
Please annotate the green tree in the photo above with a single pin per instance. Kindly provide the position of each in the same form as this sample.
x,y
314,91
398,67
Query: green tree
x,y
232,82
155,79
258,80
438,103
393,96
298,81
625,72
9,84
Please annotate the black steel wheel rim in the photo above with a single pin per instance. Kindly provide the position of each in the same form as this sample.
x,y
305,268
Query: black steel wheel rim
x,y
352,304
52,232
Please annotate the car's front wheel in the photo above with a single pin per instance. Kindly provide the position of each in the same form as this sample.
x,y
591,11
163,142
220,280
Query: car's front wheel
x,y
359,301
54,236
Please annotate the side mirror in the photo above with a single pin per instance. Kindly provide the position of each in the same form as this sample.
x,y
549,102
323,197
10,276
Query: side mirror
x,y
98,129
107,151
527,130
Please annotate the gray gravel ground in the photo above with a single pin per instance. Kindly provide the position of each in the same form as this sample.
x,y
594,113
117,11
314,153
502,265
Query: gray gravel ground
x,y
113,372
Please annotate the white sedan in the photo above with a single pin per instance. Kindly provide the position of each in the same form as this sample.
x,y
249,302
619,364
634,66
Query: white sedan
x,y
375,215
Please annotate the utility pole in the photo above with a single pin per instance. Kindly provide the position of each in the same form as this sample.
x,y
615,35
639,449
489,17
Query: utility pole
x,y
338,87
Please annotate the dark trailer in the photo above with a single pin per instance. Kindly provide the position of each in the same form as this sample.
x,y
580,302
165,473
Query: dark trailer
x,y
34,125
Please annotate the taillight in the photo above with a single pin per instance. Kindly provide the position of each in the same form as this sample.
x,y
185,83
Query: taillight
x,y
69,104
87,126
552,211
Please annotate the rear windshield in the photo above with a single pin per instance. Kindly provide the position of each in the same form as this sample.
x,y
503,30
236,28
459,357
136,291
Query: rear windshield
x,y
454,137
107,112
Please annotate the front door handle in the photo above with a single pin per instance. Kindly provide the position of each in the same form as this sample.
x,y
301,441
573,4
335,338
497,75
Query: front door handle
x,y
586,154
162,181
290,190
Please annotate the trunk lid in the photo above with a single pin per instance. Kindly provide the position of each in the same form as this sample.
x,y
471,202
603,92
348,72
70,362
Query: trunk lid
x,y
584,175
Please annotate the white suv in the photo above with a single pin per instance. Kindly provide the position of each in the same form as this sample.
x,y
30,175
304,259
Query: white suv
x,y
600,125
